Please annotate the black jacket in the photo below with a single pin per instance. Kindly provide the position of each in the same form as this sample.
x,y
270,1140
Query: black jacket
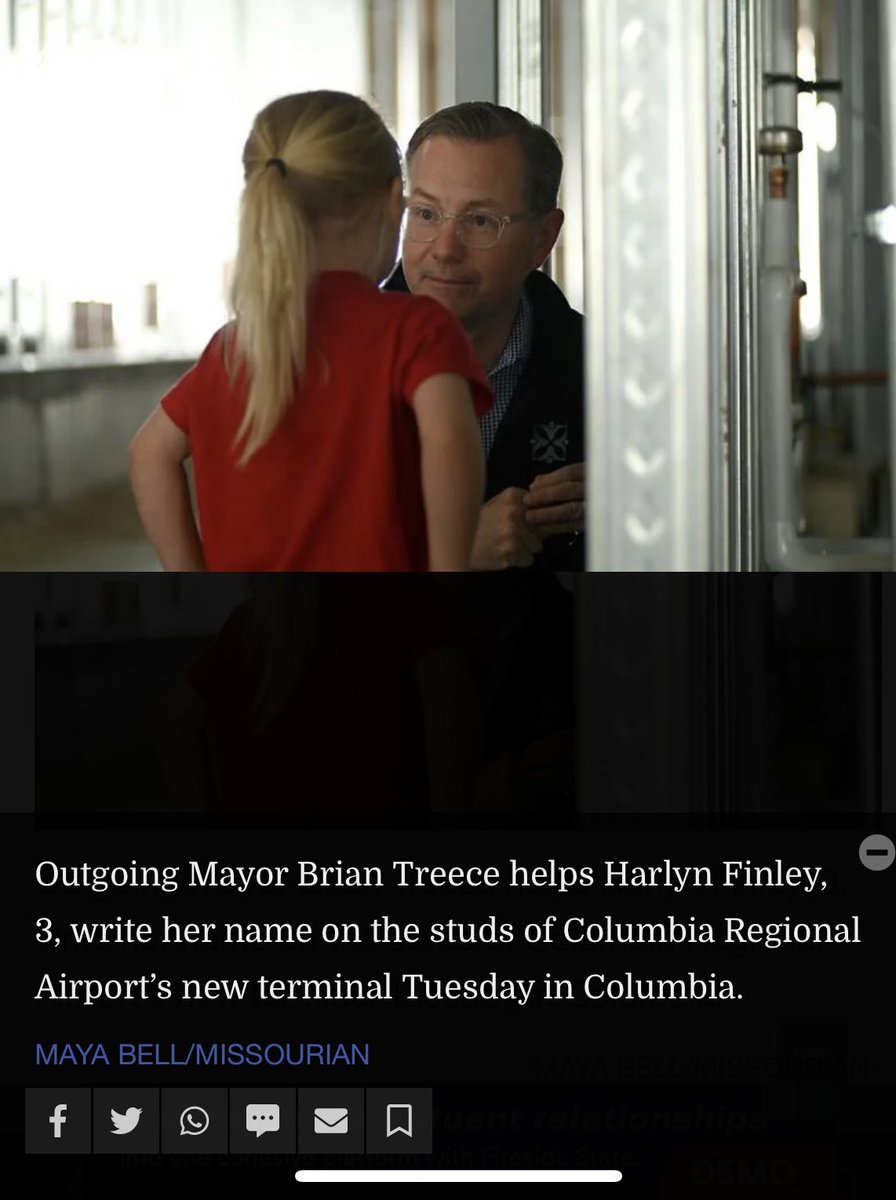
x,y
544,427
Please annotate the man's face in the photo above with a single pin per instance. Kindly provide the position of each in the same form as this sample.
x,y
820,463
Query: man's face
x,y
478,286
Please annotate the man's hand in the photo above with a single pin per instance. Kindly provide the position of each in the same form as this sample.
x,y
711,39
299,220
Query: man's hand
x,y
503,537
555,503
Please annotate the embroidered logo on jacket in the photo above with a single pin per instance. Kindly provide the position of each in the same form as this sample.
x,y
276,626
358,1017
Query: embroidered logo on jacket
x,y
550,443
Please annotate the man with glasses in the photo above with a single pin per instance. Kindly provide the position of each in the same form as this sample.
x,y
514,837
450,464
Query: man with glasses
x,y
481,219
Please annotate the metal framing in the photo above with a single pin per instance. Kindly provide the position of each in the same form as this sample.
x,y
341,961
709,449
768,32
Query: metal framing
x,y
382,57
475,50
888,43
653,308
522,57
563,117
741,110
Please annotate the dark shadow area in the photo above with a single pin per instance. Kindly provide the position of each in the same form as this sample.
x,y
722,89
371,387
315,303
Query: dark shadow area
x,y
308,697
398,698
757,694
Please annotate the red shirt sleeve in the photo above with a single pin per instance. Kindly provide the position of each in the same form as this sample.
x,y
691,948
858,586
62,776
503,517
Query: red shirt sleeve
x,y
179,402
433,343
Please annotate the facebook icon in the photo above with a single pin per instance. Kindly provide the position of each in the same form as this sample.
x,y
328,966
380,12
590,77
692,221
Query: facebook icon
x,y
58,1119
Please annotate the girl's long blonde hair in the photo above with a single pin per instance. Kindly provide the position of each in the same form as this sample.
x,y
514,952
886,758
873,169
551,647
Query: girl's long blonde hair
x,y
309,156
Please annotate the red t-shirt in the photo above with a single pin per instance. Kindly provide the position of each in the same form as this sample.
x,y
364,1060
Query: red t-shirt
x,y
337,487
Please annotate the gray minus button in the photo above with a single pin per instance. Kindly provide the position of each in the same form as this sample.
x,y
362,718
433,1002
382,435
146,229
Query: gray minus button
x,y
877,852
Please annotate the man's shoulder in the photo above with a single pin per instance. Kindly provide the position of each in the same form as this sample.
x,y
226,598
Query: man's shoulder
x,y
550,304
558,338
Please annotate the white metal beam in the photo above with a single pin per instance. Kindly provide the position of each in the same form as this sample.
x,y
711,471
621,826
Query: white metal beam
x,y
654,300
888,45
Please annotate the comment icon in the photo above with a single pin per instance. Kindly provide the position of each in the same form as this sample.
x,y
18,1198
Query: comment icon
x,y
262,1118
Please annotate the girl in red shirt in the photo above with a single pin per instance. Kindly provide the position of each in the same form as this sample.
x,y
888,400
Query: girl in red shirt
x,y
332,426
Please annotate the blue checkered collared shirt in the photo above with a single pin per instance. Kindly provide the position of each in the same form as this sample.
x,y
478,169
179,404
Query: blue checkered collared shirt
x,y
505,374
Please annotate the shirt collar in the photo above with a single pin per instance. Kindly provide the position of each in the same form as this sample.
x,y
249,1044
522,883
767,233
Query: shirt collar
x,y
519,343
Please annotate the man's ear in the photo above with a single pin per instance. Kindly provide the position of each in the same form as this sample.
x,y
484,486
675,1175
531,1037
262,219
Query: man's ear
x,y
547,230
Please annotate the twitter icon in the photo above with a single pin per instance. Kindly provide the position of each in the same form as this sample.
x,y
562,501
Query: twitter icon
x,y
126,1120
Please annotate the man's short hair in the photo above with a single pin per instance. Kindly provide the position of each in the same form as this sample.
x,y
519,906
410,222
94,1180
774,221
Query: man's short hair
x,y
481,121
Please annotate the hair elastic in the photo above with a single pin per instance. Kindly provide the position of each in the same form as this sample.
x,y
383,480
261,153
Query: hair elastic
x,y
278,163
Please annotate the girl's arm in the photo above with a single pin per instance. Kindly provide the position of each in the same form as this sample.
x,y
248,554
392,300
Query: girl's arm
x,y
452,469
157,456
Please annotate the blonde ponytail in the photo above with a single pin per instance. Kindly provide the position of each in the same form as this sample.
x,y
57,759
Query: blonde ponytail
x,y
269,295
308,155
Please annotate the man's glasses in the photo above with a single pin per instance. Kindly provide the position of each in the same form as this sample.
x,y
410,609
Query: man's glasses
x,y
478,228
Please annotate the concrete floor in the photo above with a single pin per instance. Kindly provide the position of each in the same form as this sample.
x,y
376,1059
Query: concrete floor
x,y
99,531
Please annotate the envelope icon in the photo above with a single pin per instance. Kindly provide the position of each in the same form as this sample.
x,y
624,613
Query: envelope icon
x,y
331,1120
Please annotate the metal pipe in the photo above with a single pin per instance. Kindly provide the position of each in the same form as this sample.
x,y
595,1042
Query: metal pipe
x,y
783,47
741,73
718,117
776,285
784,548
